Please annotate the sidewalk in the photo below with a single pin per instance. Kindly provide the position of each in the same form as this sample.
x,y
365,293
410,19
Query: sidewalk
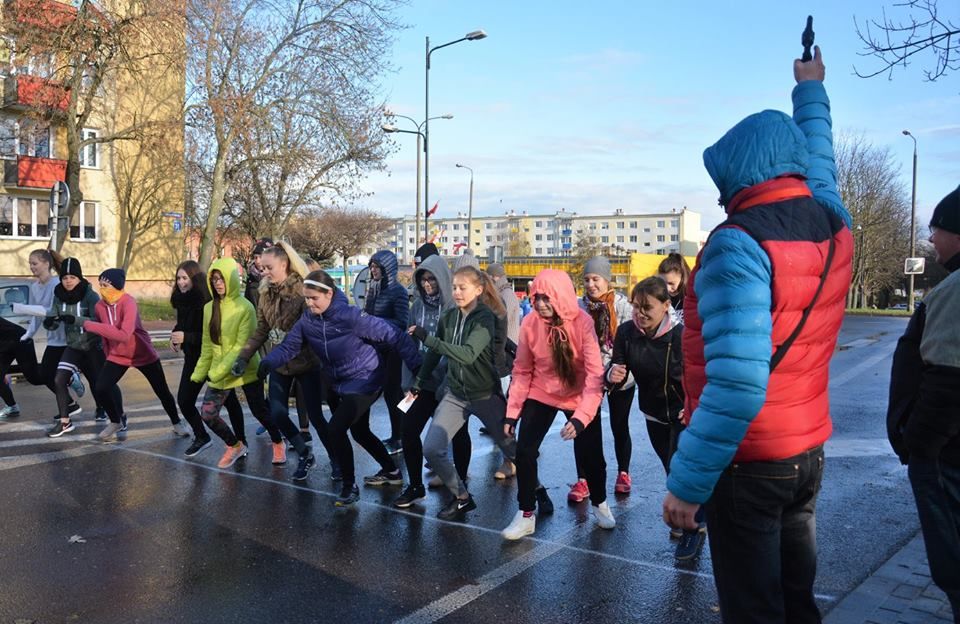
x,y
900,591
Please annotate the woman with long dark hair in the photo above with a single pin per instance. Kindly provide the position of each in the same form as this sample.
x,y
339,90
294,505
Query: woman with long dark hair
x,y
675,271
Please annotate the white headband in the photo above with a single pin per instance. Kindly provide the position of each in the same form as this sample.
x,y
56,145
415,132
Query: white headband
x,y
319,285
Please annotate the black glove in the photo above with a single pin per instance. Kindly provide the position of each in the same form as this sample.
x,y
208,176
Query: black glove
x,y
50,323
68,319
419,333
263,370
239,366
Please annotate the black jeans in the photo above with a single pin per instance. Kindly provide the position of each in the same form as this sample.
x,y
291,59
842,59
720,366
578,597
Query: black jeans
x,y
111,373
310,384
413,423
762,519
936,488
393,392
90,363
42,374
619,403
536,419
351,412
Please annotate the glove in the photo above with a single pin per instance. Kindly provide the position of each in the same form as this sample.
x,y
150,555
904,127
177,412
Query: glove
x,y
263,370
50,323
68,319
419,333
239,366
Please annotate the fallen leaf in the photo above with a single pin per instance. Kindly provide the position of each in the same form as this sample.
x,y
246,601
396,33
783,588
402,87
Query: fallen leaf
x,y
76,539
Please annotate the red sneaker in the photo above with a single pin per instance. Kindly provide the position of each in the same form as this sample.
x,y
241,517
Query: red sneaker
x,y
579,492
623,484
279,453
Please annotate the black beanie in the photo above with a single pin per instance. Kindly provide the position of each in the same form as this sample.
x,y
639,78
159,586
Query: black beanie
x,y
116,277
425,251
946,215
70,266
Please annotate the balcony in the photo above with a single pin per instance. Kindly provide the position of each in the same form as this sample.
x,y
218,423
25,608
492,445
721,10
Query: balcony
x,y
23,92
43,15
32,172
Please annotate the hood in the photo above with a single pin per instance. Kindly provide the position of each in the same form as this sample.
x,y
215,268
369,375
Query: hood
x,y
441,270
388,262
231,275
337,305
764,146
559,288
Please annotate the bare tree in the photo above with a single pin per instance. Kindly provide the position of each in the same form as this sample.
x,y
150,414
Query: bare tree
x,y
924,29
871,189
585,246
246,58
338,232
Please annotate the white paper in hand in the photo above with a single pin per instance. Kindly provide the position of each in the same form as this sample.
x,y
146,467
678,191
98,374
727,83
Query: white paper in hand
x,y
29,310
405,404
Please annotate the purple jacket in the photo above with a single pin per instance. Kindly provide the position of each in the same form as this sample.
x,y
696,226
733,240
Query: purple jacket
x,y
344,338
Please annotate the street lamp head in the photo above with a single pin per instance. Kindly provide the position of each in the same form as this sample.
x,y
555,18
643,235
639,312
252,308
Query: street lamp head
x,y
459,165
388,128
447,116
907,133
475,35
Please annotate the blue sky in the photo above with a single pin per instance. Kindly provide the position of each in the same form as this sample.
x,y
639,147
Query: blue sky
x,y
597,106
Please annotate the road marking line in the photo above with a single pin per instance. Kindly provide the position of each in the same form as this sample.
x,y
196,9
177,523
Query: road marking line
x,y
863,366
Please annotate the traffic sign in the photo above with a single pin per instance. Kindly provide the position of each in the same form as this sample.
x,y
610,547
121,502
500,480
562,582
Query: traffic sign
x,y
914,266
173,215
177,225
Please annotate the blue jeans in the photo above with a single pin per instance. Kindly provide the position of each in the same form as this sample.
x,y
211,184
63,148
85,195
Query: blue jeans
x,y
311,383
762,523
936,488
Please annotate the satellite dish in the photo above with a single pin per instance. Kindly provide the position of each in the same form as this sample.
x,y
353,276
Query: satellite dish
x,y
359,289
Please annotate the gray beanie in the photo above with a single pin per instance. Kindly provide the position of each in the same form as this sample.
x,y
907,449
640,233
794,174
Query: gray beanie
x,y
496,270
598,265
466,259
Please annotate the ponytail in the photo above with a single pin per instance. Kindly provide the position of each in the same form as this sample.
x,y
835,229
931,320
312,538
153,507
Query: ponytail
x,y
490,297
562,353
215,314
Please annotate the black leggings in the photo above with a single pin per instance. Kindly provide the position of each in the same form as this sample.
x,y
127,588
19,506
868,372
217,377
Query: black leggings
x,y
536,418
413,423
42,374
189,392
393,392
663,439
113,372
311,385
91,364
351,412
619,403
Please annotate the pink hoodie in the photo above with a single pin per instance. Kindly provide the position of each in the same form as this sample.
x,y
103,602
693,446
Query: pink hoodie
x,y
534,376
125,341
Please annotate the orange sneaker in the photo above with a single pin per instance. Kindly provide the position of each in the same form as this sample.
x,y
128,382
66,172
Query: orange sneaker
x,y
623,483
279,453
579,492
232,454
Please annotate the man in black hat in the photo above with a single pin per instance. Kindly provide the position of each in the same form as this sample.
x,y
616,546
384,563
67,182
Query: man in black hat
x,y
923,417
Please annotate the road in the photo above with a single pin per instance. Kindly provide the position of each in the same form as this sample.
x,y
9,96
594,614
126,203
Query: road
x,y
165,539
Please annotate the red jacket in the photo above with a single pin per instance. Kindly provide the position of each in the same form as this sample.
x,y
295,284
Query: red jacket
x,y
125,341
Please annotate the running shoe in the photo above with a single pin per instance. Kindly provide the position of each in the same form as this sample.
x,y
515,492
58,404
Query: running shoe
x,y
59,429
73,409
180,430
623,483
123,422
349,494
109,433
232,454
603,516
690,544
676,534
393,446
506,470
304,464
11,411
335,473
101,415
544,504
410,495
198,445
457,508
384,477
76,384
520,526
579,492
261,430
279,453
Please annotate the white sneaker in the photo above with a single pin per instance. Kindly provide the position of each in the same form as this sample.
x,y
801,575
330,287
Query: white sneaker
x,y
109,433
520,527
603,516
10,411
181,430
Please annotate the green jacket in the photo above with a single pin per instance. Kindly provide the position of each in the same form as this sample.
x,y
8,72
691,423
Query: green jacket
x,y
238,320
83,311
468,345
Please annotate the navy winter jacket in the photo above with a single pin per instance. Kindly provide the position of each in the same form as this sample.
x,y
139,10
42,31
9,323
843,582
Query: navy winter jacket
x,y
388,299
344,340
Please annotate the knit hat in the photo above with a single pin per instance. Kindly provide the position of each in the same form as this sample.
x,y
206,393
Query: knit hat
x,y
946,215
71,266
116,277
262,245
466,259
598,265
496,270
425,251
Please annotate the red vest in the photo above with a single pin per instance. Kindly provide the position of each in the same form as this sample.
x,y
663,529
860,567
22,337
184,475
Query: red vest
x,y
795,232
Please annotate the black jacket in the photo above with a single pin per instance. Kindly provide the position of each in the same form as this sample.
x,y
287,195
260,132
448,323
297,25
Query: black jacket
x,y
189,307
657,368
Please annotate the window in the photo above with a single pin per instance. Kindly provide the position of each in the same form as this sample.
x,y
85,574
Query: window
x,y
8,138
646,244
549,237
661,238
411,240
619,239
604,239
538,237
633,238
539,251
410,229
34,140
661,224
6,215
499,238
456,226
538,223
489,239
605,225
674,238
29,218
647,230
489,226
675,223
621,224
633,225
83,226
550,224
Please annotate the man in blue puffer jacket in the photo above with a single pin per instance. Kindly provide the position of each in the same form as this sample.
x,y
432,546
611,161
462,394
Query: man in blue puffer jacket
x,y
762,316
389,300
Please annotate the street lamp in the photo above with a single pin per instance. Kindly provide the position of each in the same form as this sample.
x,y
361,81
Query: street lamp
x,y
421,146
476,35
913,219
470,209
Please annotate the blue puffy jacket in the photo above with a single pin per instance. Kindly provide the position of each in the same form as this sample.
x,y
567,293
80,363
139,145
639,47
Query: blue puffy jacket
x,y
344,338
388,300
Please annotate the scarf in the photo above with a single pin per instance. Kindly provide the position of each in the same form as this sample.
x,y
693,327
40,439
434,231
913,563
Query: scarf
x,y
432,300
193,298
604,316
74,296
110,294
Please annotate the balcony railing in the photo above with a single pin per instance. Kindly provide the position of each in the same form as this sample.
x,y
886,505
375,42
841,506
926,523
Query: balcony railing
x,y
35,93
33,172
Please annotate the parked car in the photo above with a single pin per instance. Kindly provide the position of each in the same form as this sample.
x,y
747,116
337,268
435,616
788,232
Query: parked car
x,y
17,290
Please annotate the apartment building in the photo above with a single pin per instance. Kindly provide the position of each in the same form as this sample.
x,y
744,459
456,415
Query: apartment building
x,y
557,234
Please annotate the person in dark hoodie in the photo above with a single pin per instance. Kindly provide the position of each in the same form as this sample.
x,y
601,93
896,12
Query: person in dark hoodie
x,y
344,340
388,299
923,419
251,290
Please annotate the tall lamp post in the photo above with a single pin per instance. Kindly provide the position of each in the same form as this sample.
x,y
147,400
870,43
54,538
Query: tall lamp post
x,y
421,145
913,219
470,209
476,35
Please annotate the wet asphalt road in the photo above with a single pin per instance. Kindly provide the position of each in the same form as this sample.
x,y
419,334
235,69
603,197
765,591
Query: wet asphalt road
x,y
167,539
